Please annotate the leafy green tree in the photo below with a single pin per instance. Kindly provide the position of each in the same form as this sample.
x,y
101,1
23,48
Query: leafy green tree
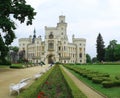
x,y
100,48
3,50
13,53
88,58
9,10
109,53
94,60
112,52
117,53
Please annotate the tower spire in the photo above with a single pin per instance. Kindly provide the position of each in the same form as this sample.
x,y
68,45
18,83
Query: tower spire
x,y
34,36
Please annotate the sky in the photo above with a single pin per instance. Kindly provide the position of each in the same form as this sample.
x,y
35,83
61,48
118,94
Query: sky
x,y
85,18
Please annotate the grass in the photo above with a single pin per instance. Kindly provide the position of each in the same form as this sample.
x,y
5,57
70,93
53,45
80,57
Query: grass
x,y
4,66
110,69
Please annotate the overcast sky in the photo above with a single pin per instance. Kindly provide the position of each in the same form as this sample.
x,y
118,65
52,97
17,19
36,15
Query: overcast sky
x,y
85,18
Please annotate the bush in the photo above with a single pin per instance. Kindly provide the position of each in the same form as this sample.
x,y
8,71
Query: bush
x,y
117,83
74,89
5,62
97,80
16,66
108,84
90,76
117,77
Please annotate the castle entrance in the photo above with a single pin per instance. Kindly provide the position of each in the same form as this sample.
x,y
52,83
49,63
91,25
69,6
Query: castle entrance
x,y
50,59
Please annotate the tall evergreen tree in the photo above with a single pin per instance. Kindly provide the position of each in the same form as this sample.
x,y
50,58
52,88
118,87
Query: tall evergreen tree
x,y
100,48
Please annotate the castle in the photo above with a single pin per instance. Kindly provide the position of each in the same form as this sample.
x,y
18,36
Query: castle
x,y
55,47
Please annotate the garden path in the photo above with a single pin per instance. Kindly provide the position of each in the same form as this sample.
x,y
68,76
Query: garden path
x,y
90,93
8,76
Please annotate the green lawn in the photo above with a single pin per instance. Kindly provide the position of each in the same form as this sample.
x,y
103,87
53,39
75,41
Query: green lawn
x,y
4,66
113,70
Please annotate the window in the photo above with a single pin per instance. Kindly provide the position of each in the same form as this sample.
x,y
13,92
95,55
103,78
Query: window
x,y
59,48
50,46
51,35
80,55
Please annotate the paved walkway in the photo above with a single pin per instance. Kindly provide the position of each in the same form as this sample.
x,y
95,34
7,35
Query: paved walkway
x,y
90,93
9,76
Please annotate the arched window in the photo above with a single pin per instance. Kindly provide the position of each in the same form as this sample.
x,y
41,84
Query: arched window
x,y
51,35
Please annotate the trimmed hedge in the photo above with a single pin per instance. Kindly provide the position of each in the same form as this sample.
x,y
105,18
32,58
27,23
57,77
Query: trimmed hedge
x,y
33,90
108,84
117,77
76,93
96,77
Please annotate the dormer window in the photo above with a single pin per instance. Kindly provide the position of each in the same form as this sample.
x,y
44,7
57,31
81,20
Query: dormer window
x,y
51,35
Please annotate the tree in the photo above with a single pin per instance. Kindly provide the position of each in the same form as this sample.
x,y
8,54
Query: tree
x,y
22,55
117,53
3,50
112,52
88,58
13,52
13,9
94,60
100,48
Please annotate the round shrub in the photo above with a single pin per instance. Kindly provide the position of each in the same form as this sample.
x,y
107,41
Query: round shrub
x,y
106,78
117,82
117,77
97,80
90,76
108,84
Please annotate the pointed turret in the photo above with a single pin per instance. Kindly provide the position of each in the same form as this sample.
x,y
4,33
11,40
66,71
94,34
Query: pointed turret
x,y
34,36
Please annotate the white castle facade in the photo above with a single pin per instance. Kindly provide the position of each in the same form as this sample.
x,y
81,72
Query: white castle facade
x,y
55,47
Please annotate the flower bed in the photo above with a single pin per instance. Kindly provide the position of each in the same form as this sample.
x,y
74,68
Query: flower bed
x,y
55,86
33,90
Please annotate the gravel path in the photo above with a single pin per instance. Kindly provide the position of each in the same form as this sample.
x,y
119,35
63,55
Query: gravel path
x,y
8,76
90,93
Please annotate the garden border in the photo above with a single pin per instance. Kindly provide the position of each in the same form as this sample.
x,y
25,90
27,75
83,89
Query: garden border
x,y
74,89
34,89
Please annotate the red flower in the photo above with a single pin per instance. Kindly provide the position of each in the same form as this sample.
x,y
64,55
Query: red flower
x,y
40,95
46,82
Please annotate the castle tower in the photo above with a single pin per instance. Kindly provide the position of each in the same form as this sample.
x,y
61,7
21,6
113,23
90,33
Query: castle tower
x,y
34,36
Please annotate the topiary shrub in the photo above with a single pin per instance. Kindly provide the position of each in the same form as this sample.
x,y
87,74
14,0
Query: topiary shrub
x,y
117,83
108,84
97,80
90,76
117,77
